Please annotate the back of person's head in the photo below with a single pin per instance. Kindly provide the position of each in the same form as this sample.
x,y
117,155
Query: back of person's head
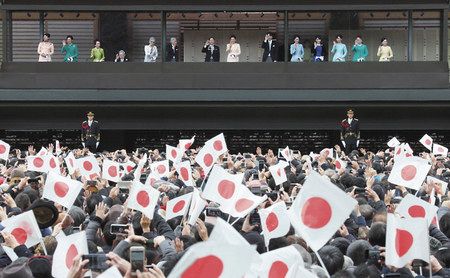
x,y
377,234
188,241
23,201
357,251
366,271
366,211
332,257
276,243
92,201
18,268
341,243
380,217
343,274
50,245
40,266
444,224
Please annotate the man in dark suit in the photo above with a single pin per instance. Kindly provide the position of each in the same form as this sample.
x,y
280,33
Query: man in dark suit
x,y
90,133
172,53
212,51
270,49
350,132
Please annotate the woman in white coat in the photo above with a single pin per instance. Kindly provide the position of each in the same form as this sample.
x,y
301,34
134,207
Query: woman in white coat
x,y
151,51
233,50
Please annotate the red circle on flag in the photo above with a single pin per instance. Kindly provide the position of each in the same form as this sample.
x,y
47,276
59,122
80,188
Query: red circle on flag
x,y
408,172
316,213
161,169
174,153
112,171
129,168
72,252
226,188
87,165
52,162
187,146
2,149
71,162
38,162
152,181
207,267
142,198
271,222
403,242
20,235
428,142
416,211
218,146
208,159
441,149
408,155
61,189
184,173
243,204
286,153
279,172
399,150
278,270
179,206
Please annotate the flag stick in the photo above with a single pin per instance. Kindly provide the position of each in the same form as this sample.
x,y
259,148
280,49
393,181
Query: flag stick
x,y
43,246
321,263
234,222
229,217
420,271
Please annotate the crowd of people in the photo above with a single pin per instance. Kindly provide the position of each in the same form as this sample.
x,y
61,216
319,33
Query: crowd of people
x,y
357,249
233,50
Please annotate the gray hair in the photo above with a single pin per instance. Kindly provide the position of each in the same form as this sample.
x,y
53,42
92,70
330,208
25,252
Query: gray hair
x,y
152,39
173,39
122,51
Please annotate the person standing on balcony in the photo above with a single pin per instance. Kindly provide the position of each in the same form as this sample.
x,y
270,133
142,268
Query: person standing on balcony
x,y
90,133
97,53
69,49
212,51
233,50
350,132
339,50
360,51
172,53
121,57
151,51
270,49
384,51
297,50
45,49
319,51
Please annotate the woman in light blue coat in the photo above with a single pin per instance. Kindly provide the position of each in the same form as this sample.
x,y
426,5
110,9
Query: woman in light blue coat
x,y
297,50
339,50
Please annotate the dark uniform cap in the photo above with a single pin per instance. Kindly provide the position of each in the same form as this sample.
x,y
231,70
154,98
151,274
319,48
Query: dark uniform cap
x,y
350,111
90,114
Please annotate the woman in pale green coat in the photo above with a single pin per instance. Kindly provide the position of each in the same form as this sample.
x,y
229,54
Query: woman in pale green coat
x,y
97,53
360,51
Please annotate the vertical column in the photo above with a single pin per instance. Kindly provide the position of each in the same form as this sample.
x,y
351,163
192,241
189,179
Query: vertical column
x,y
163,36
410,35
41,24
7,36
4,36
444,36
286,36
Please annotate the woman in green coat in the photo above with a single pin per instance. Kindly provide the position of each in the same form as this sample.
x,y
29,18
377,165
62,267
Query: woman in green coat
x,y
360,51
97,53
70,50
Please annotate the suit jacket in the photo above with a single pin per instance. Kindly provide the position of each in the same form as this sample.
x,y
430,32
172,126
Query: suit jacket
x,y
273,50
350,130
170,53
215,54
90,132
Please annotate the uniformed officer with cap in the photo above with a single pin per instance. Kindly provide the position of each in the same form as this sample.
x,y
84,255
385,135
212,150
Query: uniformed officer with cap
x,y
350,132
90,133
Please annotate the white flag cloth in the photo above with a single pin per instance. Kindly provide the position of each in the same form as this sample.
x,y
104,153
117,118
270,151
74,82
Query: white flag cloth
x,y
53,164
184,171
38,163
61,190
128,166
408,150
174,154
112,272
406,239
427,141
409,172
88,167
10,253
278,173
70,162
328,152
277,263
138,172
111,170
319,210
441,183
151,179
222,186
286,153
413,207
57,147
67,249
4,150
24,228
298,270
196,208
393,142
185,144
43,151
274,221
206,157
161,168
340,164
178,206
143,198
243,202
218,144
439,150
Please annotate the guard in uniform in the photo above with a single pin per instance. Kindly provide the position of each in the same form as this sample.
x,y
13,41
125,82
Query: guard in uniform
x,y
90,133
350,132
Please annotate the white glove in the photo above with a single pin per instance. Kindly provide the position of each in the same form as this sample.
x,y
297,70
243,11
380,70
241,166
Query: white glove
x,y
84,146
96,144
343,143
357,143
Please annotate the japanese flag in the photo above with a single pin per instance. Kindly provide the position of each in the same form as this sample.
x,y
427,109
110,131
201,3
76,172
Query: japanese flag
x,y
413,207
38,163
442,184
427,141
278,173
222,186
279,262
406,240
439,150
206,157
185,144
143,198
196,208
243,202
174,154
340,164
319,210
161,168
24,228
61,190
328,152
393,142
67,249
409,172
53,164
4,150
185,172
128,166
218,144
88,166
151,179
274,221
43,151
286,153
70,163
178,206
409,152
111,170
